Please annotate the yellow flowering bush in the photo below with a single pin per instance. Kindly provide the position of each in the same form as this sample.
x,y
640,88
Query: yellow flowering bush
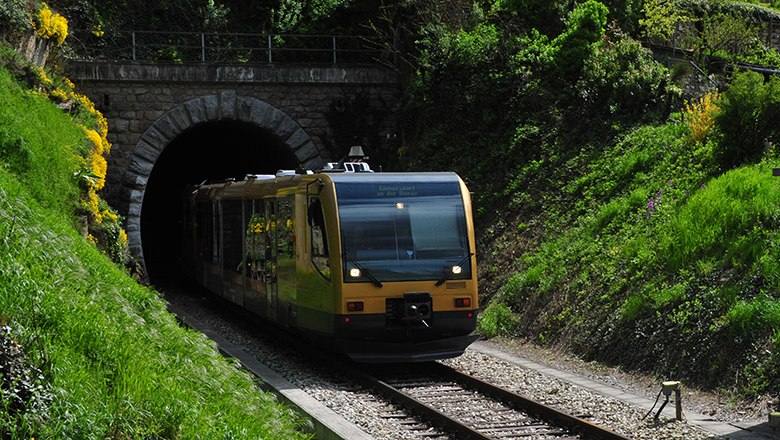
x,y
43,78
103,224
50,26
700,116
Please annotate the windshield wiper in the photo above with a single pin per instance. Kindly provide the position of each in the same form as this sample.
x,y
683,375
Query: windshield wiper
x,y
363,270
449,273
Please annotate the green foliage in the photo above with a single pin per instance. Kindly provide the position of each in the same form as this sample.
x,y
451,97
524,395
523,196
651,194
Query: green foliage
x,y
584,28
14,153
681,254
291,15
661,19
72,309
471,48
625,13
724,33
562,57
608,236
14,18
755,316
748,117
496,320
622,81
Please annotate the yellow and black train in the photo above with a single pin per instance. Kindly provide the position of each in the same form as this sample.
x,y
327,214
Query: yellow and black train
x,y
380,266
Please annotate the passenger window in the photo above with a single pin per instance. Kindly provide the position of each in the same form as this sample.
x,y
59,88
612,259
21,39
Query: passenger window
x,y
319,240
258,247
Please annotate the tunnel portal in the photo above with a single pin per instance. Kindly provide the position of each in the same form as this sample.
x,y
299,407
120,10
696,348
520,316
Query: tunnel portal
x,y
210,151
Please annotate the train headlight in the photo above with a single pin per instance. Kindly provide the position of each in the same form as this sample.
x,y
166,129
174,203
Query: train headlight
x,y
457,270
354,272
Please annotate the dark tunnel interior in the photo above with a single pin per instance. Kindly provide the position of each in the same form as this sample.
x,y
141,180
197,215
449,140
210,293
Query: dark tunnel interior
x,y
210,151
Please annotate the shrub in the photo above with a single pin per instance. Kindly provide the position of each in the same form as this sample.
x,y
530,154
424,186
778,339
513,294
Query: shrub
x,y
496,320
562,57
14,17
50,25
700,116
585,27
748,118
622,80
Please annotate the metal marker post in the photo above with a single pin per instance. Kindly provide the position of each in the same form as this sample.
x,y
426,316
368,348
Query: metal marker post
x,y
202,47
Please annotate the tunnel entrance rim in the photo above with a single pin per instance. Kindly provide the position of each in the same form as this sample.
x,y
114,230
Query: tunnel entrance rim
x,y
224,106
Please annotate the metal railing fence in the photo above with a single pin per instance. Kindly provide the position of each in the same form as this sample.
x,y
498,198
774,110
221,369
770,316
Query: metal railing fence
x,y
211,47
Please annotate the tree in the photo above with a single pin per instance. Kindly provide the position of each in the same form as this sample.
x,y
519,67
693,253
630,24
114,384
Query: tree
x,y
661,20
726,34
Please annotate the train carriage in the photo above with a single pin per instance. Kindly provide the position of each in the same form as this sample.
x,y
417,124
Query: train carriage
x,y
380,266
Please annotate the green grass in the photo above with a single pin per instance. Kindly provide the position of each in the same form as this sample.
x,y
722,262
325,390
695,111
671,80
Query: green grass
x,y
39,145
664,264
113,362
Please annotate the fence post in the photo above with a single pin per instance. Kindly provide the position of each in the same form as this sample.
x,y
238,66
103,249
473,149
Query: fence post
x,y
334,49
202,47
133,44
270,48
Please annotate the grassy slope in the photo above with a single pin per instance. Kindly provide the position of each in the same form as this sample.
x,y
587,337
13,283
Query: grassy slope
x,y
665,264
114,363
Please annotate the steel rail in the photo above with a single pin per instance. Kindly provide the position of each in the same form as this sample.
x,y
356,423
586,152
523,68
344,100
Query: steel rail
x,y
577,425
361,374
432,415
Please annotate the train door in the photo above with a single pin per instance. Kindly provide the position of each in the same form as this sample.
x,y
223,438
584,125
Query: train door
x,y
315,297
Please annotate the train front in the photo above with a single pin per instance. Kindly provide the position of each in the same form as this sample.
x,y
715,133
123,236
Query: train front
x,y
408,266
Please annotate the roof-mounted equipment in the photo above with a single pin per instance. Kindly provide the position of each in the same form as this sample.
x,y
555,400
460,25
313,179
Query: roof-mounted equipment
x,y
354,162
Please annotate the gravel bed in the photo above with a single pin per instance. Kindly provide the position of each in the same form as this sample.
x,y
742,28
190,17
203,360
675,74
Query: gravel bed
x,y
385,421
614,414
721,406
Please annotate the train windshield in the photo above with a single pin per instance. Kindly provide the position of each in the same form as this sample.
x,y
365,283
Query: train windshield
x,y
403,230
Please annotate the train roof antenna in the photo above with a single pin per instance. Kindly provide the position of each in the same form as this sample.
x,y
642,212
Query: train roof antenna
x,y
356,152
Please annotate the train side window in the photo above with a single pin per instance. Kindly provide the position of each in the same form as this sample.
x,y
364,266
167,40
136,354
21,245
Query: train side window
x,y
258,246
319,239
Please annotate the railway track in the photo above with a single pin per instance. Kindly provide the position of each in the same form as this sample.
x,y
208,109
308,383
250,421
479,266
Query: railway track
x,y
463,407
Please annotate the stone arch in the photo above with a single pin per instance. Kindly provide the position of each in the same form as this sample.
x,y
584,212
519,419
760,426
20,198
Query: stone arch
x,y
225,105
